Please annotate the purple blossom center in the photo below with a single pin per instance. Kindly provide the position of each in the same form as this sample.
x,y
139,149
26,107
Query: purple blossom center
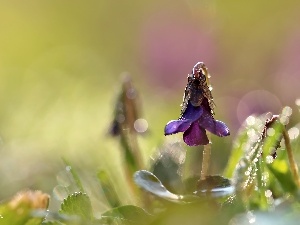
x,y
194,122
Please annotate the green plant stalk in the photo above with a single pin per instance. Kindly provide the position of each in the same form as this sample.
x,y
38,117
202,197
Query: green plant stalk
x,y
131,114
130,164
133,164
260,165
74,175
293,164
108,189
205,161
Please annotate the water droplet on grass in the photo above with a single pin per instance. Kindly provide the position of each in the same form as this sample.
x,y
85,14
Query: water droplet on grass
x,y
269,159
68,168
251,217
268,193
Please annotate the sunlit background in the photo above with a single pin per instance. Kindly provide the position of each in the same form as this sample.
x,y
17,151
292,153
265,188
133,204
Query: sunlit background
x,y
61,64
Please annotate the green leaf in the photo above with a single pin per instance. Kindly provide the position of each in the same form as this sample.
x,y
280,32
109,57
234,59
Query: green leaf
x,y
10,215
215,186
271,141
34,221
129,156
108,189
280,169
127,214
149,182
236,153
168,166
78,204
74,174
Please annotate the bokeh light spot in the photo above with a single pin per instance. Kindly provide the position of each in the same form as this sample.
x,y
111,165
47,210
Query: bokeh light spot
x,y
257,102
270,131
293,133
250,120
268,193
141,125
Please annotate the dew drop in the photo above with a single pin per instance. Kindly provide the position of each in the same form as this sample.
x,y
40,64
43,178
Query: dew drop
x,y
253,136
68,168
269,159
265,178
251,217
251,132
252,220
242,163
268,193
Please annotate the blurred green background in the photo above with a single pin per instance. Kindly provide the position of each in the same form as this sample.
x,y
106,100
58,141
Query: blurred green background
x,y
61,64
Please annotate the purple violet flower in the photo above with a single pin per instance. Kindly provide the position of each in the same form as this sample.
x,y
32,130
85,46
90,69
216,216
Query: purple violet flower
x,y
193,123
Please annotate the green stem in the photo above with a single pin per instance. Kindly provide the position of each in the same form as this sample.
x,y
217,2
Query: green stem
x,y
205,161
260,165
293,164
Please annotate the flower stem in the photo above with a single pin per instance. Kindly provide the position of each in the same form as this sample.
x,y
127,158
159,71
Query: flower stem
x,y
205,161
293,165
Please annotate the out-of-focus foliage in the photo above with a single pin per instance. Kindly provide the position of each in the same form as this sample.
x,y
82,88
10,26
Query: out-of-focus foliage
x,y
264,188
19,209
60,63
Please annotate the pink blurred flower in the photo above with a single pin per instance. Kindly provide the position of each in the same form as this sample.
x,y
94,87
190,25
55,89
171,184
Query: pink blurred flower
x,y
169,43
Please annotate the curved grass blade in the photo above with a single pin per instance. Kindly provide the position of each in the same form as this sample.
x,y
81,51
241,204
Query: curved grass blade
x,y
215,186
149,182
74,174
108,189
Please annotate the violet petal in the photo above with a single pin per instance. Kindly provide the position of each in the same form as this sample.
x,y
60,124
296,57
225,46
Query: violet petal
x,y
214,126
195,135
175,126
192,113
